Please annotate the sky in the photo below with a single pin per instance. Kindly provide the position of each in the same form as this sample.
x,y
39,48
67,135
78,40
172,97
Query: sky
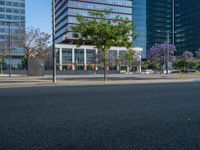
x,y
38,14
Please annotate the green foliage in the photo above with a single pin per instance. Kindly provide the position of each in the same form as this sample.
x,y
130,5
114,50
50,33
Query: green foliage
x,y
24,63
146,64
129,57
183,64
180,64
193,64
103,33
198,56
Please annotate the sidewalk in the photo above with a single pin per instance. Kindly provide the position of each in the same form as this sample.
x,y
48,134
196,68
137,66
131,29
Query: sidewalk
x,y
81,80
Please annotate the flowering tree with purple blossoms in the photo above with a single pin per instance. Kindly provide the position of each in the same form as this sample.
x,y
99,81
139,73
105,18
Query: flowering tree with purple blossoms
x,y
99,59
161,54
187,56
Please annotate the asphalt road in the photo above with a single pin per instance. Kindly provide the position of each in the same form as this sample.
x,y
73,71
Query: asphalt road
x,y
119,117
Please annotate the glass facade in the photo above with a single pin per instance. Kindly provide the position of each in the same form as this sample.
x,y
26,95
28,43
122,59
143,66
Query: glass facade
x,y
187,25
139,17
180,18
153,19
12,13
67,11
159,21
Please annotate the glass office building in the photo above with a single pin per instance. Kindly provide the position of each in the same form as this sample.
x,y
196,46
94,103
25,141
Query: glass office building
x,y
66,13
139,17
159,21
69,56
187,25
180,18
153,19
12,16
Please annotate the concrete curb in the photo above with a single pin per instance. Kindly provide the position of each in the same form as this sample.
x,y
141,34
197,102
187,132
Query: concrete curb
x,y
60,83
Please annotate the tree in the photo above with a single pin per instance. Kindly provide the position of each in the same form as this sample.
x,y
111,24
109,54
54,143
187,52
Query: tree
x,y
162,53
104,33
146,64
99,59
129,58
34,43
3,54
198,54
180,64
187,56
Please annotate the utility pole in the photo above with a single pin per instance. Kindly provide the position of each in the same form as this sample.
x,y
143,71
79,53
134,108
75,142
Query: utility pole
x,y
167,58
9,47
53,41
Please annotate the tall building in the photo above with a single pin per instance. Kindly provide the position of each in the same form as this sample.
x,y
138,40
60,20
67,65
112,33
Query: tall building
x,y
66,16
154,19
67,11
12,21
180,18
159,21
187,25
140,20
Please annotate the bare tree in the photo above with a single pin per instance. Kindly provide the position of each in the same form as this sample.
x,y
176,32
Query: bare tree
x,y
42,45
3,54
34,42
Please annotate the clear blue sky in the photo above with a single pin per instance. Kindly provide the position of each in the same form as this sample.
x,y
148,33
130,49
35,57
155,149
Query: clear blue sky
x,y
38,14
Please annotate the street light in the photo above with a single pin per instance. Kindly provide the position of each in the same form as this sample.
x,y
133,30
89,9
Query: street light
x,y
9,40
53,41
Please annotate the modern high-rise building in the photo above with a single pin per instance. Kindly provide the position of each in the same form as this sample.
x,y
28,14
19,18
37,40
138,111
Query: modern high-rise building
x,y
180,19
187,25
66,13
12,22
140,20
159,21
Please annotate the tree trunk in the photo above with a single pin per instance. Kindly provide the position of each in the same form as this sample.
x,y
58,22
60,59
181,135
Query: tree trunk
x,y
105,65
1,72
105,70
27,60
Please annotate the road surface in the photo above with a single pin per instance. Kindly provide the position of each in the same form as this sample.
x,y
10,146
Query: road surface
x,y
107,117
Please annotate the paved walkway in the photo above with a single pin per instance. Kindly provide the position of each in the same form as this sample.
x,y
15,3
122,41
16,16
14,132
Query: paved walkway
x,y
77,80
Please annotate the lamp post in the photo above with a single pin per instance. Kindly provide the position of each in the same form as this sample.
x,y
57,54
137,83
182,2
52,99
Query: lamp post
x,y
167,59
53,41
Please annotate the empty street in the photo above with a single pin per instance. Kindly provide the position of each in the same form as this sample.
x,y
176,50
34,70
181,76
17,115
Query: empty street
x,y
118,117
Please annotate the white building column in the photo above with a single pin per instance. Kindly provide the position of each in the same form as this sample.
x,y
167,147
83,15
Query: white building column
x,y
96,65
73,59
139,67
85,59
60,59
118,68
